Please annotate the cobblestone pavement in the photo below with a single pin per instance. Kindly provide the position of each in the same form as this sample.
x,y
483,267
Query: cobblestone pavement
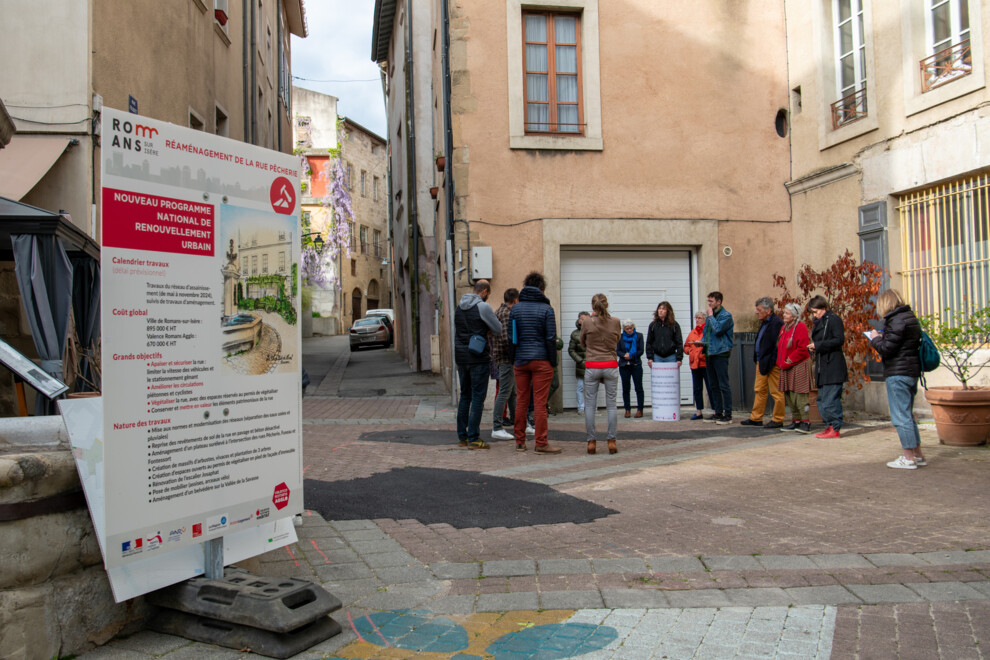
x,y
727,543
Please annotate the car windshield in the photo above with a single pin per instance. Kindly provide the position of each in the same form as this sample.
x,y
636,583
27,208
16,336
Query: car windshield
x,y
367,322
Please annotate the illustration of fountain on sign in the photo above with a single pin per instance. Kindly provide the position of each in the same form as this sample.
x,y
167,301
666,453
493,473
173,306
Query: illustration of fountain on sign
x,y
240,330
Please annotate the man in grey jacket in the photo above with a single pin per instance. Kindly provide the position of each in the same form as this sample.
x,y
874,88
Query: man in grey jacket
x,y
473,319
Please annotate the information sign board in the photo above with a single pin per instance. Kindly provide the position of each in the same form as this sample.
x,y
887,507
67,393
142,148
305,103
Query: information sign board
x,y
201,372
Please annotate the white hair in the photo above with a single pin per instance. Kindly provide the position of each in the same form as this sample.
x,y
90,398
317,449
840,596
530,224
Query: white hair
x,y
628,322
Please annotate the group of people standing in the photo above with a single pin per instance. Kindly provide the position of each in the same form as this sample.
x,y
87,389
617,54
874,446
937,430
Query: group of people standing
x,y
517,344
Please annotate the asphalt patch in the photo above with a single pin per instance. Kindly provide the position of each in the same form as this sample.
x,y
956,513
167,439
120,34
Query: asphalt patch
x,y
460,498
434,438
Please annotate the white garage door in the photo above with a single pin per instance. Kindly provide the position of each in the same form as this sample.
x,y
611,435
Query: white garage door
x,y
635,282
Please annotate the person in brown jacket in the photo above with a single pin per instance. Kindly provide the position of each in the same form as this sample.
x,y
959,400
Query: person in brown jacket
x,y
600,335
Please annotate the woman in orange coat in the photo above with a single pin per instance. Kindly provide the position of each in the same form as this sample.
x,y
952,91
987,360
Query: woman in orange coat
x,y
795,378
695,349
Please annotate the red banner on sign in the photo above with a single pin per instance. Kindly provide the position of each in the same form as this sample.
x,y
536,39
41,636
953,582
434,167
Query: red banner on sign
x,y
147,222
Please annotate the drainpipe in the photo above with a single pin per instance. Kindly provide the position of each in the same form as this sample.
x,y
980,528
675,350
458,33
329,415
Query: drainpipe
x,y
388,189
278,71
245,75
448,173
254,72
411,183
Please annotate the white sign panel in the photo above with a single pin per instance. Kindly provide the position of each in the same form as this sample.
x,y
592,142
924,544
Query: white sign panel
x,y
201,389
666,390
84,422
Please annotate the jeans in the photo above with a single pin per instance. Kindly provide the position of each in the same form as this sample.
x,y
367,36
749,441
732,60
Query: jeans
x,y
718,378
830,405
579,393
634,371
506,395
537,375
474,387
763,386
592,378
699,379
900,397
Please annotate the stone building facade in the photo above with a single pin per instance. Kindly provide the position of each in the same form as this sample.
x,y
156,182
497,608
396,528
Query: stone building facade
x,y
365,275
643,182
888,121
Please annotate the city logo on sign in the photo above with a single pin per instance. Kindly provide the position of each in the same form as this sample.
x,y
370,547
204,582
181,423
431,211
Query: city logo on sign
x,y
242,520
197,529
283,196
262,513
216,523
280,498
176,535
128,135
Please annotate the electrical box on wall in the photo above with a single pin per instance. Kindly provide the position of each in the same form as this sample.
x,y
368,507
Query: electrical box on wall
x,y
481,263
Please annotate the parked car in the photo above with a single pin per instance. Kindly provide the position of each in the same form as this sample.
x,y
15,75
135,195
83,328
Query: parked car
x,y
381,312
370,331
388,324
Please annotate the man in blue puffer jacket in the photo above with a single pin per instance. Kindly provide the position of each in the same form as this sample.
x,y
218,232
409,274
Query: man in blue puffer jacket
x,y
533,342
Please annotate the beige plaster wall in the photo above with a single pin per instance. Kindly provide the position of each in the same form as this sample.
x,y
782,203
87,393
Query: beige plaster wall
x,y
824,225
892,57
687,131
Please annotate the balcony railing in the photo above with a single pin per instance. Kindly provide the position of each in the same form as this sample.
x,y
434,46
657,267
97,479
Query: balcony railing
x,y
849,108
946,65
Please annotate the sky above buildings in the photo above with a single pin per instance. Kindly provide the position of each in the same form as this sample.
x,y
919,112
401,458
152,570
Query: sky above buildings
x,y
335,59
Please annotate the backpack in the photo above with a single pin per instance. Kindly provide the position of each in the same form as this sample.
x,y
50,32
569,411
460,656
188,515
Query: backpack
x,y
928,354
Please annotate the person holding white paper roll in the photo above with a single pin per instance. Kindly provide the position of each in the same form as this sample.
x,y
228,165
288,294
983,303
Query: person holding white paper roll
x,y
665,344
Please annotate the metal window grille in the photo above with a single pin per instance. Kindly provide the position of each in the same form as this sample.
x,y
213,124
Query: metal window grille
x,y
945,245
946,65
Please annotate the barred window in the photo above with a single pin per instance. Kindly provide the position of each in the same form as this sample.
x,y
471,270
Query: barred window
x,y
945,248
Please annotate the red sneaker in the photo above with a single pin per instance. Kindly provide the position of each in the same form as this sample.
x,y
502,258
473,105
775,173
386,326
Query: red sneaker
x,y
827,433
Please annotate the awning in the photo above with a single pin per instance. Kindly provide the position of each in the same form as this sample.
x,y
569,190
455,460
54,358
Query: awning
x,y
19,218
26,159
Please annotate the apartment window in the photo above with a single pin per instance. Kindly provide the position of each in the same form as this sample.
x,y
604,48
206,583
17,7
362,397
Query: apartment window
x,y
281,262
374,188
281,236
364,183
350,176
352,243
354,267
850,62
221,122
254,265
364,240
196,121
945,247
264,264
220,13
948,36
377,242
553,78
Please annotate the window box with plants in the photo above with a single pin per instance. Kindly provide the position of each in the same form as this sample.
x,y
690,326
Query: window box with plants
x,y
961,412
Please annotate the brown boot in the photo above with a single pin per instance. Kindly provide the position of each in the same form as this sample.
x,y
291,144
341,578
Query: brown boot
x,y
639,413
612,449
591,446
546,449
628,413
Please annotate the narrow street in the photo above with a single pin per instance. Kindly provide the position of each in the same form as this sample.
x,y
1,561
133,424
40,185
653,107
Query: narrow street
x,y
694,541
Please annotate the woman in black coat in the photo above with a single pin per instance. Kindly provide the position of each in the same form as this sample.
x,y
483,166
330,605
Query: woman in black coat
x,y
827,337
898,343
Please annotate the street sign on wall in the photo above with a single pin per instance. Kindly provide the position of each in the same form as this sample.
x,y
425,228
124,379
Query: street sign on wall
x,y
201,386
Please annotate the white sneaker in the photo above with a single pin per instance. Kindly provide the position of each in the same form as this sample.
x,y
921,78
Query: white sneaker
x,y
903,464
920,462
530,430
502,434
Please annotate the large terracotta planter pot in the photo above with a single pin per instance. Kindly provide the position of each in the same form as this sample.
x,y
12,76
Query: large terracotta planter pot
x,y
962,417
